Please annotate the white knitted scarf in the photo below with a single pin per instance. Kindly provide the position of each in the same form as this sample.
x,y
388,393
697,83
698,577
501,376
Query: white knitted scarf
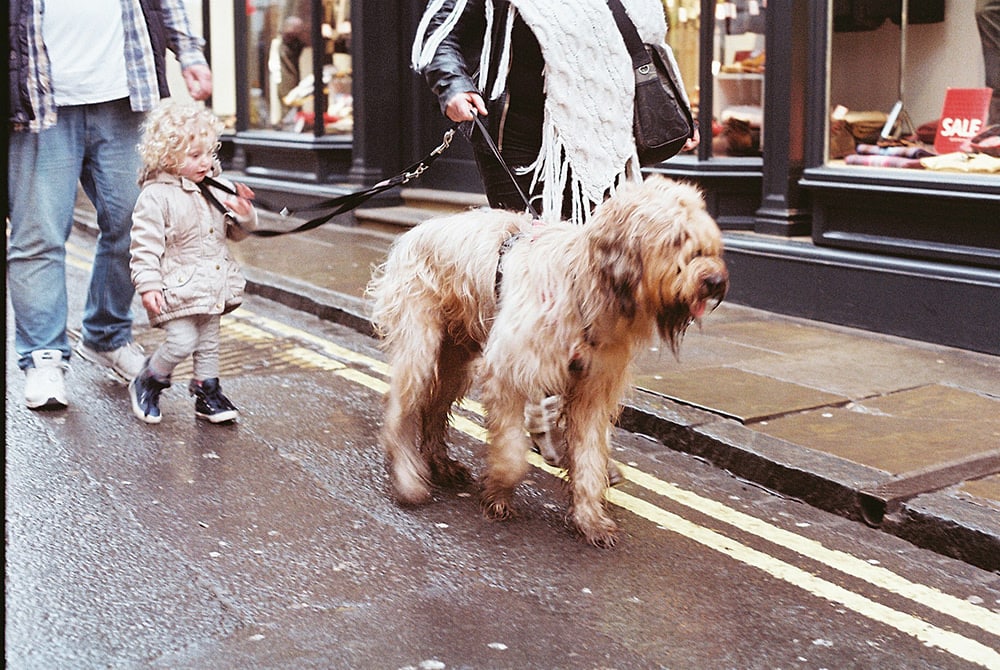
x,y
589,90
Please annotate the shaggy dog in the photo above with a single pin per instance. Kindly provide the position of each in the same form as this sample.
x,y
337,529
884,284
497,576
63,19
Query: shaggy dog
x,y
539,310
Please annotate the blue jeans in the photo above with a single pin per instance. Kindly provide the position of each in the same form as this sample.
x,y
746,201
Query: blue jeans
x,y
95,146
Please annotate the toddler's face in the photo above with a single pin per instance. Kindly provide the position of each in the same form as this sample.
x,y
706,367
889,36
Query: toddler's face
x,y
198,162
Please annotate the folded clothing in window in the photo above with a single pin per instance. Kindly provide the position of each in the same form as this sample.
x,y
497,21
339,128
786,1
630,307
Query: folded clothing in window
x,y
872,155
902,151
960,161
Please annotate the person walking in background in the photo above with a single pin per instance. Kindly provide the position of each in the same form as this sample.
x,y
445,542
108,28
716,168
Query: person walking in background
x,y
555,83
82,74
181,266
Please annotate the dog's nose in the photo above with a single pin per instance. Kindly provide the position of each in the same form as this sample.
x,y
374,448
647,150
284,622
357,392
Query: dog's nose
x,y
716,284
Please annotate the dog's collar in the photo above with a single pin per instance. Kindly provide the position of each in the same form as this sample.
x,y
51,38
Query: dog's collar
x,y
504,248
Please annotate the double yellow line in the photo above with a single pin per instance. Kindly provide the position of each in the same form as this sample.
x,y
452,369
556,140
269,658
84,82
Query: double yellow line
x,y
929,634
320,353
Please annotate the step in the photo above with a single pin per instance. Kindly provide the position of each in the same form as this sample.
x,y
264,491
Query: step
x,y
442,200
400,216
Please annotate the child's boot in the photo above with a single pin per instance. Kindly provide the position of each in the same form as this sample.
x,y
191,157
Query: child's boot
x,y
144,391
209,402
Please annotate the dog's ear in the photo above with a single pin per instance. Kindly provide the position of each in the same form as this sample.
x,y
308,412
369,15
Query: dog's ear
x,y
618,266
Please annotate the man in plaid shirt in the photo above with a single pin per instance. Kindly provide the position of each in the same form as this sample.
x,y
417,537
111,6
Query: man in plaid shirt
x,y
82,76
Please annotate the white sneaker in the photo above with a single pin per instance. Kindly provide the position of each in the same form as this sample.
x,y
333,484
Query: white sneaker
x,y
45,384
125,361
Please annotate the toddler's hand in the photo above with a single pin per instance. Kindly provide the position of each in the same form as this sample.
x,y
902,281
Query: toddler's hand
x,y
242,205
153,302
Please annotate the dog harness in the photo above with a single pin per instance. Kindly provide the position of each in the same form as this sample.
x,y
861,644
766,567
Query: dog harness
x,y
504,248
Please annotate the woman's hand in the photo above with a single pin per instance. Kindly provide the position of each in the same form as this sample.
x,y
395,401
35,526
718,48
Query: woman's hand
x,y
693,141
464,106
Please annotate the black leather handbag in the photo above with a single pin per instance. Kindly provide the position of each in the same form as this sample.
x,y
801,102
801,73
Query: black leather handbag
x,y
662,122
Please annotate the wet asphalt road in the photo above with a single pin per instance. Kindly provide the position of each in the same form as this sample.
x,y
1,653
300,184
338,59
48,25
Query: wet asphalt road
x,y
274,543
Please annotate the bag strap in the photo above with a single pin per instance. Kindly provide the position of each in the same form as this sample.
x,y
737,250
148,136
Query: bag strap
x,y
340,204
633,42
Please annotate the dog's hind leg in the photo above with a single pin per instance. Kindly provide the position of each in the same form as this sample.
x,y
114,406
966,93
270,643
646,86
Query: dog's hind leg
x,y
400,437
413,376
453,375
507,451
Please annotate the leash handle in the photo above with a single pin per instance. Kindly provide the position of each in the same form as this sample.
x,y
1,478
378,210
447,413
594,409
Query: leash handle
x,y
496,153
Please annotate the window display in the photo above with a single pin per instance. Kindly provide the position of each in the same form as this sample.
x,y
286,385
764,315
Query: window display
x,y
931,102
281,65
737,65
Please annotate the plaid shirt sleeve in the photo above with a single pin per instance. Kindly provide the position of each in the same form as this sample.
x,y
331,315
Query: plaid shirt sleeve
x,y
186,45
139,63
39,75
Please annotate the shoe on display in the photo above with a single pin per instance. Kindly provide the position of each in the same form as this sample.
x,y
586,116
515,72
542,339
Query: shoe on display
x,y
126,361
45,383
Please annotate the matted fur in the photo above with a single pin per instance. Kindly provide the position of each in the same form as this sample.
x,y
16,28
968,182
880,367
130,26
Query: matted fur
x,y
574,304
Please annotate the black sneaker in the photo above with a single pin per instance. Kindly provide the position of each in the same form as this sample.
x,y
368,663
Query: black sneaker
x,y
209,402
144,391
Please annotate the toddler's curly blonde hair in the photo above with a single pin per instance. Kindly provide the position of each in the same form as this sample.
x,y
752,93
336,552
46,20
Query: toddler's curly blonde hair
x,y
173,129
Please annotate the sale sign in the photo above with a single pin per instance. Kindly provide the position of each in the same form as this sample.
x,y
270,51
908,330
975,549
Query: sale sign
x,y
963,117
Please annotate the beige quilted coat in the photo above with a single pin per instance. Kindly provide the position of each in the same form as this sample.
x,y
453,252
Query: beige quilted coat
x,y
179,247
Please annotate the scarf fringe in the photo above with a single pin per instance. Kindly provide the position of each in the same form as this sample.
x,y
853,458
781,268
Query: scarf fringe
x,y
424,49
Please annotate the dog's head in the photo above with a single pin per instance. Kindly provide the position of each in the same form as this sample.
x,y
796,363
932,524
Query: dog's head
x,y
659,254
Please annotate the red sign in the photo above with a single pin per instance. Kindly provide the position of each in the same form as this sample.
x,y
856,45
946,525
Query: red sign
x,y
963,117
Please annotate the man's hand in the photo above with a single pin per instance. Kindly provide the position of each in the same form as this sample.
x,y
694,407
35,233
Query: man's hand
x,y
693,141
199,81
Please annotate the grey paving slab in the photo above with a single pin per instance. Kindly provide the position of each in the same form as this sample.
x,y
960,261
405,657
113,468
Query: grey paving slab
x,y
735,393
899,433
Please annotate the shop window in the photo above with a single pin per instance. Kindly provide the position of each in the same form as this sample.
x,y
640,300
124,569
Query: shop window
x,y
736,59
281,66
912,86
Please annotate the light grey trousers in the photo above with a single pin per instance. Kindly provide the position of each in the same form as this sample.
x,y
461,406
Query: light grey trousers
x,y
196,336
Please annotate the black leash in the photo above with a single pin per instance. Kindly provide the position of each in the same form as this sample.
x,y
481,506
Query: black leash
x,y
349,201
340,204
496,153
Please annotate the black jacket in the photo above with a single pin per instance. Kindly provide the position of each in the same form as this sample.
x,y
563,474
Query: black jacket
x,y
454,68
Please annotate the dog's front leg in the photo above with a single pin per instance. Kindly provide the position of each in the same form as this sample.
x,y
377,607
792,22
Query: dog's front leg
x,y
506,457
587,456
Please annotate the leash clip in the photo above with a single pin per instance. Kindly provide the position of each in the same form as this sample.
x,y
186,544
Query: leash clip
x,y
445,142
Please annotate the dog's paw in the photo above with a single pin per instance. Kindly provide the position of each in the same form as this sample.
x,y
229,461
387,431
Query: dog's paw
x,y
599,531
448,473
409,489
497,510
602,540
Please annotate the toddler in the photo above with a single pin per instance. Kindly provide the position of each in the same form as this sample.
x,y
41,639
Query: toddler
x,y
181,267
